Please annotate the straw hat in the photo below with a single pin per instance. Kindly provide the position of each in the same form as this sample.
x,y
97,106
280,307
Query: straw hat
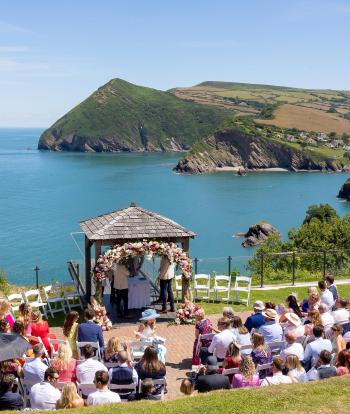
x,y
259,305
270,314
293,318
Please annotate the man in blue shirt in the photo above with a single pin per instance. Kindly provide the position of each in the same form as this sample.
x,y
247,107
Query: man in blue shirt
x,y
314,348
8,399
271,330
90,331
257,319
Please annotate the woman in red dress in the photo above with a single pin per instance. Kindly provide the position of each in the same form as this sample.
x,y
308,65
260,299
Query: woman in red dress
x,y
41,329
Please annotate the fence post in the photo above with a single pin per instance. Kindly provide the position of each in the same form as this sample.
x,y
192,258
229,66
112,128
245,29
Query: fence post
x,y
262,271
293,270
324,264
36,269
195,265
229,265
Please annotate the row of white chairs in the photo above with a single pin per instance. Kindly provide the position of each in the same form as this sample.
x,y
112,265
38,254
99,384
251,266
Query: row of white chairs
x,y
56,298
221,284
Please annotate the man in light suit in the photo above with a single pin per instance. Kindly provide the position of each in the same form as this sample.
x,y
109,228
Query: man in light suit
x,y
121,274
166,275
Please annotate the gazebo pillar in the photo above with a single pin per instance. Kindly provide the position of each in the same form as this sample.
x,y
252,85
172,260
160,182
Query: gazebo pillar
x,y
185,282
88,244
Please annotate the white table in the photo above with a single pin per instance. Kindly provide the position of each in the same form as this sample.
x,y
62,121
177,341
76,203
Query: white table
x,y
139,293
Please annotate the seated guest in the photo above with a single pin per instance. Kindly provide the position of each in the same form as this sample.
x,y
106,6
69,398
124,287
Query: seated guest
x,y
18,329
247,376
112,350
64,364
277,376
261,353
124,373
343,363
324,368
271,330
338,342
147,391
295,371
292,307
86,370
102,395
293,347
341,314
313,319
5,326
9,400
186,387
25,316
232,358
44,395
331,286
90,331
326,316
314,348
41,329
70,331
69,397
242,335
11,366
256,319
203,326
326,295
293,325
312,302
222,340
228,313
34,369
209,380
5,312
149,365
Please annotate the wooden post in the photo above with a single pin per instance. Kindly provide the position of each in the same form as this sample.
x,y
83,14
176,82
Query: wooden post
x,y
186,294
88,245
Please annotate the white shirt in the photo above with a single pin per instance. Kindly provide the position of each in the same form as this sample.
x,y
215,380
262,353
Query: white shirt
x,y
87,369
135,376
300,376
34,370
340,315
220,343
314,348
103,397
293,349
327,298
276,379
327,319
43,396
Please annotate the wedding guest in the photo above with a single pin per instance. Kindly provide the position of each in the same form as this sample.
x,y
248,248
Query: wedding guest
x,y
247,376
313,319
312,301
232,358
11,366
86,371
9,400
261,353
341,314
271,330
227,312
292,347
102,395
5,312
326,316
209,380
41,329
69,397
70,331
166,275
277,375
64,364
256,319
343,362
331,286
123,373
293,325
242,334
186,387
112,350
326,294
338,342
324,368
44,395
222,340
5,326
34,369
147,391
90,331
295,370
292,306
25,316
149,365
314,348
203,326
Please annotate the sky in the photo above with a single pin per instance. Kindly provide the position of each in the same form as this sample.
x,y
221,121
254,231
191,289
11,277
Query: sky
x,y
54,54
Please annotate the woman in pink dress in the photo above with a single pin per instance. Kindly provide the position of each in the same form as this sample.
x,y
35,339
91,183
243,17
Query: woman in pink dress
x,y
203,326
5,312
64,364
247,376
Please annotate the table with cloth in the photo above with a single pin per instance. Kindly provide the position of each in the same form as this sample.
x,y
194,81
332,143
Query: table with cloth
x,y
139,292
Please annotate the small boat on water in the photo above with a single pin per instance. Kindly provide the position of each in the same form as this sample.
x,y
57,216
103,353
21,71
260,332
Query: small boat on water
x,y
242,172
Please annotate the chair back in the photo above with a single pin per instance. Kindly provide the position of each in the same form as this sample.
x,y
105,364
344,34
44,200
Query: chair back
x,y
15,300
33,293
262,367
124,390
246,347
230,371
160,382
277,346
95,345
85,389
242,284
201,280
222,278
202,337
53,342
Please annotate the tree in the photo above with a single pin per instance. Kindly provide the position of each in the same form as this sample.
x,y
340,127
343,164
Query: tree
x,y
323,212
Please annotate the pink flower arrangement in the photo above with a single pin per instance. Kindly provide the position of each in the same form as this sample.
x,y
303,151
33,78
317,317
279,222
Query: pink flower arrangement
x,y
185,313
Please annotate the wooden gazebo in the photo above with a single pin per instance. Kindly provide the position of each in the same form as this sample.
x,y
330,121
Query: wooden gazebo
x,y
128,224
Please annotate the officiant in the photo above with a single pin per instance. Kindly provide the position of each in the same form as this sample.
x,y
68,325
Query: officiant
x,y
166,275
121,273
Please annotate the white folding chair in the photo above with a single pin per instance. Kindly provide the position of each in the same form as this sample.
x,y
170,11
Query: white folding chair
x,y
15,300
160,382
95,345
263,367
202,285
222,284
202,337
230,371
136,349
34,298
54,342
238,288
178,286
72,295
127,389
25,386
55,303
276,347
246,348
85,389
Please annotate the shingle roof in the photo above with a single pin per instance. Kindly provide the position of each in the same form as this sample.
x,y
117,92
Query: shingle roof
x,y
132,223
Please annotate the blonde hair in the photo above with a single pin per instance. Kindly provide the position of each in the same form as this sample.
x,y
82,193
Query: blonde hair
x,y
293,362
64,356
68,396
4,308
247,368
258,341
186,387
233,350
113,347
199,313
25,311
315,317
312,290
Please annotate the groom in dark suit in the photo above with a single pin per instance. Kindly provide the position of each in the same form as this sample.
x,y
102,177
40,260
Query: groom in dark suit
x,y
89,331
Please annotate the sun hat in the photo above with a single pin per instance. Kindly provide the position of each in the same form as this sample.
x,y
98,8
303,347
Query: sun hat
x,y
259,305
293,318
270,314
212,363
149,314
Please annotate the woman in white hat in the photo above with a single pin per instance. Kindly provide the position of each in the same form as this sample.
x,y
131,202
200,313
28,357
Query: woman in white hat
x,y
293,325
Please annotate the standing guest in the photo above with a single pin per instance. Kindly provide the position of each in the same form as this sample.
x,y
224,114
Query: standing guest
x,y
331,286
44,395
209,380
70,331
242,335
341,314
64,364
86,370
102,395
121,275
313,319
5,326
271,330
5,312
166,275
256,319
312,302
326,294
326,316
293,347
9,400
34,369
293,325
203,326
147,391
277,376
112,350
90,331
261,353
69,397
186,387
324,368
314,348
247,376
222,340
343,362
295,370
232,358
149,365
25,316
338,342
123,373
41,329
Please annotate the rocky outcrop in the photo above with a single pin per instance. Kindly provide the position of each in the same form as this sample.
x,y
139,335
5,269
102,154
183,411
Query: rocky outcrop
x,y
344,192
258,233
231,149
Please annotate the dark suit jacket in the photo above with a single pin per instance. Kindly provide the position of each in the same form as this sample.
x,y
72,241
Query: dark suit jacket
x,y
90,332
212,382
254,321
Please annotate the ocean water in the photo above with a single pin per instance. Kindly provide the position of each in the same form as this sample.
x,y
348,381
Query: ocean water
x,y
44,196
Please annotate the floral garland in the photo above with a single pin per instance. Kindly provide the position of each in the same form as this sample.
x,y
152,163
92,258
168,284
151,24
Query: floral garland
x,y
120,253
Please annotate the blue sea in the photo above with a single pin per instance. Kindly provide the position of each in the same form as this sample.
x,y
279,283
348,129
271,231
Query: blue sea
x,y
44,196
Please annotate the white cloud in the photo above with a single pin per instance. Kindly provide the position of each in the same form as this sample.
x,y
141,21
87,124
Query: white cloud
x,y
9,28
13,49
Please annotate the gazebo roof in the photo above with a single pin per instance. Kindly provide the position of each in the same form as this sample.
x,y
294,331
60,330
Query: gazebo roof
x,y
132,223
